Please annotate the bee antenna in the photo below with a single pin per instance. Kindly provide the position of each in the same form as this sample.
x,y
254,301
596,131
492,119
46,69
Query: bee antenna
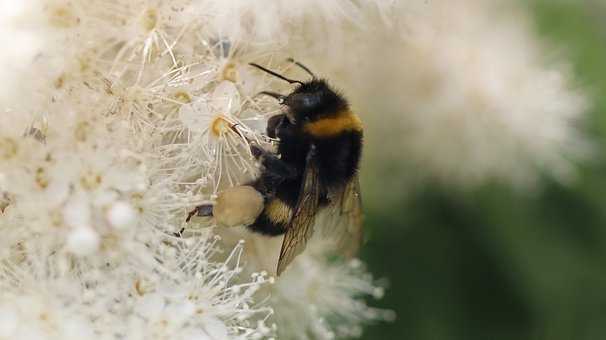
x,y
275,74
305,68
275,95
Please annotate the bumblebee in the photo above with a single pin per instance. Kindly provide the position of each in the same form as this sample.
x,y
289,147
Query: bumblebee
x,y
315,169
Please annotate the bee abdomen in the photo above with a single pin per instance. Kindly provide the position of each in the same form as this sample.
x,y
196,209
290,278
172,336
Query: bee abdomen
x,y
274,218
339,157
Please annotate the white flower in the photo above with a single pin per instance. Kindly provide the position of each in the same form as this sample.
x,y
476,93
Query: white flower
x,y
271,21
129,113
24,45
121,215
463,93
167,297
319,299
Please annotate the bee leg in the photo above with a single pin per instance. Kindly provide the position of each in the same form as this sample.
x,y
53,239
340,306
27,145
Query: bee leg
x,y
279,168
201,210
257,151
275,169
180,233
276,124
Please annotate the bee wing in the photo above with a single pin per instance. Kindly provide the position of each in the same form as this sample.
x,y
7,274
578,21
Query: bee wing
x,y
300,227
342,221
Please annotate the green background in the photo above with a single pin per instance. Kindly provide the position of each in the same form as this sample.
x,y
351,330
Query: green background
x,y
495,263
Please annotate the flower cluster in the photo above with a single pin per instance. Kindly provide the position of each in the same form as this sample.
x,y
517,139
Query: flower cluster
x,y
119,117
186,298
320,299
467,94
128,114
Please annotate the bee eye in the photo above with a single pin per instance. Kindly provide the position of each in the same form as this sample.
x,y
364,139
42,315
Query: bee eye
x,y
310,100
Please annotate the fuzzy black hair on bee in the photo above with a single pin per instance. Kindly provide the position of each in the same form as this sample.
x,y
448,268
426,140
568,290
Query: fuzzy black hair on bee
x,y
315,168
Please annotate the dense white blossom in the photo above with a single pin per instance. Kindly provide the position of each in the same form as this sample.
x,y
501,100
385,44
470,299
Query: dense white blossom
x,y
467,93
126,115
119,117
184,298
322,299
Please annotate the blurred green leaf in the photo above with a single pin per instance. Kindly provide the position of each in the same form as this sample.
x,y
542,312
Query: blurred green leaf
x,y
494,263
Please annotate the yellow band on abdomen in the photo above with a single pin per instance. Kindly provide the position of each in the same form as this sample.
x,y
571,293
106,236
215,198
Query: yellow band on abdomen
x,y
332,126
278,212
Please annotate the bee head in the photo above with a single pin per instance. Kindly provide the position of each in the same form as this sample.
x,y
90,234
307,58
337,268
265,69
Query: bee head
x,y
313,100
310,101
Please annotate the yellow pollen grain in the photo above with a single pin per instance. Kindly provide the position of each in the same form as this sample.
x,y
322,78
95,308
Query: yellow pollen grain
x,y
81,131
109,241
41,178
182,97
63,17
139,287
90,180
8,148
220,126
60,81
5,201
84,63
56,219
230,72
18,253
149,19
137,201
